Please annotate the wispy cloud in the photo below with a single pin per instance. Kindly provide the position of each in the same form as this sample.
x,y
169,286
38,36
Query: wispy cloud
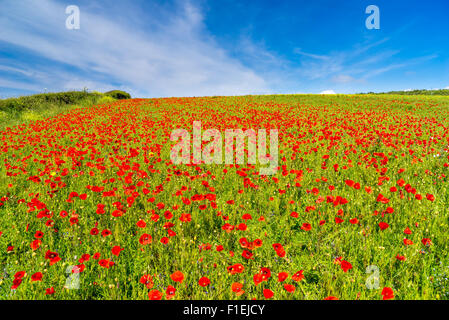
x,y
173,58
362,62
311,55
342,78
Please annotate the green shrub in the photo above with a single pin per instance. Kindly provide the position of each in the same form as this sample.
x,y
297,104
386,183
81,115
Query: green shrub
x,y
39,106
118,94
105,100
38,100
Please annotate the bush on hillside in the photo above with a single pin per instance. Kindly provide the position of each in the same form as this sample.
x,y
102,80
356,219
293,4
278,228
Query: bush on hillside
x,y
118,94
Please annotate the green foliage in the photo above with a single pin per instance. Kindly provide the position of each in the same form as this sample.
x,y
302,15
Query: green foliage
x,y
105,99
118,94
40,106
440,92
73,152
37,100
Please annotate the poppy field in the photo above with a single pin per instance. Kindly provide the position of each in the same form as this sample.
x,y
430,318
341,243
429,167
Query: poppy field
x,y
92,207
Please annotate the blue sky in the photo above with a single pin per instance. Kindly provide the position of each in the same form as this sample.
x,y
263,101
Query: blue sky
x,y
223,47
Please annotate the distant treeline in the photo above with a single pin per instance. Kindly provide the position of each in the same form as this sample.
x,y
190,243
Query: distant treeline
x,y
440,92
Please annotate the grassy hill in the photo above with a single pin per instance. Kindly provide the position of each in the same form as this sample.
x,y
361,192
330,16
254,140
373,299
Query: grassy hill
x,y
40,106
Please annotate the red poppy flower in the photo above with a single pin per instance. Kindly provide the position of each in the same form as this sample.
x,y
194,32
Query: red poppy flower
x,y
382,198
145,239
117,213
267,293
345,265
155,295
244,242
306,226
204,281
298,276
338,220
186,217
281,253
164,240
350,183
147,280
236,287
266,273
177,276
38,234
289,287
257,243
52,256
16,283
242,227
35,244
247,254
85,257
170,292
237,268
141,224
116,250
104,263
106,233
37,276
387,293
282,276
383,225
258,278
50,291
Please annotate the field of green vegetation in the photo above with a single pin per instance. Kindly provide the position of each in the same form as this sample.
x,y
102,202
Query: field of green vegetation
x,y
92,207
15,111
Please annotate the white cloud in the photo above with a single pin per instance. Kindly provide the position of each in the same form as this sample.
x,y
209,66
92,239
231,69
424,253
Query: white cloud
x,y
311,55
342,78
446,87
328,92
174,56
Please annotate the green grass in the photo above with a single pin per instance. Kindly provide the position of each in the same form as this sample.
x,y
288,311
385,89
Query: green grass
x,y
90,145
14,111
